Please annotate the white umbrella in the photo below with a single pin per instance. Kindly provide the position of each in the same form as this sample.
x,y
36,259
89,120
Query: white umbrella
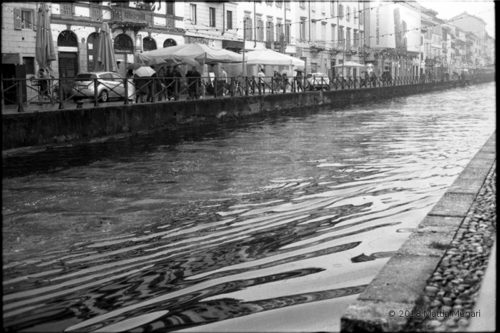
x,y
144,71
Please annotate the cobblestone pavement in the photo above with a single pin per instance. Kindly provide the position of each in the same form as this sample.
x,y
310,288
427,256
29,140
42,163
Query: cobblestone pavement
x,y
451,292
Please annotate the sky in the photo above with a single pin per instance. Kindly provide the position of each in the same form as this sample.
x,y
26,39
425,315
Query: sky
x,y
447,9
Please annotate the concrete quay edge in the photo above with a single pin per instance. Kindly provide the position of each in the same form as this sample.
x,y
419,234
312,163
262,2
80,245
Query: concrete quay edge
x,y
388,301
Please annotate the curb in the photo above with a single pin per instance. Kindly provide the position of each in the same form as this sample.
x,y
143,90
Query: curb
x,y
388,301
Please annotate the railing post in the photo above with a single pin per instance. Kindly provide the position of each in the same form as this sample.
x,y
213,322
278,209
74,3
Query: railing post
x,y
60,93
95,90
125,84
20,107
3,94
153,85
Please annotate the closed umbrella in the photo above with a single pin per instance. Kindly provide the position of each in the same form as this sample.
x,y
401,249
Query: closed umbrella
x,y
44,46
106,60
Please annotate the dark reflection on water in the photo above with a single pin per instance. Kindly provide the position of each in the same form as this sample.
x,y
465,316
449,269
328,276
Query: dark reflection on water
x,y
157,233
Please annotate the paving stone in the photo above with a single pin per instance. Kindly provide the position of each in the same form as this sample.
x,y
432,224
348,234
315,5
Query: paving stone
x,y
453,204
401,280
368,316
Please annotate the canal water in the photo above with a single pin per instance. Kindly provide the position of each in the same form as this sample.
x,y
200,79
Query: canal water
x,y
276,225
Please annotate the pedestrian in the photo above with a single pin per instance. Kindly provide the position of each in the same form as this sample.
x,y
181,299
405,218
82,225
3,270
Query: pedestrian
x,y
366,79
211,81
44,83
177,77
194,83
261,84
130,86
284,79
298,79
276,80
141,88
223,81
373,79
169,83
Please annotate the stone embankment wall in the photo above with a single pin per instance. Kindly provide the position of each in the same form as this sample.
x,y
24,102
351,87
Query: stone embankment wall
x,y
77,125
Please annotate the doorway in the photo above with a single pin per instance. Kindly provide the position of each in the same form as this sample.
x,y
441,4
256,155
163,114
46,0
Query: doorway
x,y
68,69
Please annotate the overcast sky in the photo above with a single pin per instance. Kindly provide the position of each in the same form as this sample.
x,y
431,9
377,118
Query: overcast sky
x,y
446,9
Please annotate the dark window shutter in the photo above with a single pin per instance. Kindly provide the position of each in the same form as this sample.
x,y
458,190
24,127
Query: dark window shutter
x,y
17,19
34,19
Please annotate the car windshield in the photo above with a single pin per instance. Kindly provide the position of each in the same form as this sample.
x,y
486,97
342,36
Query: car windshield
x,y
85,77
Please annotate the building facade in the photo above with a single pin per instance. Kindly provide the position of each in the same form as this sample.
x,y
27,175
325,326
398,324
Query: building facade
x,y
402,38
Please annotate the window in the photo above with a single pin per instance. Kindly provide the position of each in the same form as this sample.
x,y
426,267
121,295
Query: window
x,y
341,11
332,8
340,38
287,4
302,32
193,14
279,30
92,41
27,19
279,3
348,15
229,19
348,38
29,63
355,41
323,31
247,23
211,16
302,4
287,31
269,2
170,8
313,31
333,32
260,29
269,30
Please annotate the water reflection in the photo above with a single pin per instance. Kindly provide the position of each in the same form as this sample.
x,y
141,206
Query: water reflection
x,y
154,235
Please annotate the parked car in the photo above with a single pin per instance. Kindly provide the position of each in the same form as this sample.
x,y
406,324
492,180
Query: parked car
x,y
110,85
318,81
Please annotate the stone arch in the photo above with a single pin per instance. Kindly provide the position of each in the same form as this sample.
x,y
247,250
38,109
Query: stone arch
x,y
169,42
123,43
67,38
148,44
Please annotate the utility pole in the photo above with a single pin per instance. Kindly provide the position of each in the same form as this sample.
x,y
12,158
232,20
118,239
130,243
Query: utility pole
x,y
243,51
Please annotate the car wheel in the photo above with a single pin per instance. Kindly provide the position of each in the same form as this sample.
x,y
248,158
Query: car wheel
x,y
103,96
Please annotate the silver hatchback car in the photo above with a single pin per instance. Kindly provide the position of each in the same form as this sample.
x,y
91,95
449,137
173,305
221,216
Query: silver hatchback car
x,y
110,85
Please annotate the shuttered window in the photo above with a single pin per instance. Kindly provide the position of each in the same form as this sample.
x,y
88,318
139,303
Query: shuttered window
x,y
17,19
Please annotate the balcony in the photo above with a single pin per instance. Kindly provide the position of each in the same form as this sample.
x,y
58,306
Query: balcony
x,y
131,18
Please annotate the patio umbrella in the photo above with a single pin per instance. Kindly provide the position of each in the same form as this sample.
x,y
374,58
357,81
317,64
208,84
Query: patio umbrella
x,y
144,71
44,46
106,60
350,64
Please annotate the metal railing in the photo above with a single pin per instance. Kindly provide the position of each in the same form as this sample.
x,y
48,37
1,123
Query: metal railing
x,y
68,93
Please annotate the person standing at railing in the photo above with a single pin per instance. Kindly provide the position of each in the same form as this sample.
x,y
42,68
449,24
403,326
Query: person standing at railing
x,y
130,86
177,76
284,79
223,81
169,83
261,84
373,79
44,83
298,79
194,83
